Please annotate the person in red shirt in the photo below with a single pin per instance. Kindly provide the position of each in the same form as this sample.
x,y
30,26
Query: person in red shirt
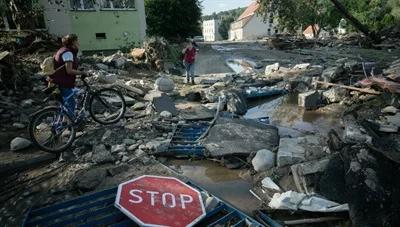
x,y
189,57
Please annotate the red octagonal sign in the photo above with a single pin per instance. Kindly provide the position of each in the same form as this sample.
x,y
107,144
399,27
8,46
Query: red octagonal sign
x,y
160,201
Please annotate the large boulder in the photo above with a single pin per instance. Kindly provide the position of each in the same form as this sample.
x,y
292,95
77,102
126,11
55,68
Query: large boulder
x,y
241,137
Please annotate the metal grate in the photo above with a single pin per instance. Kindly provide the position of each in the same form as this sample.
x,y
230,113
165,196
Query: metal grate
x,y
184,142
98,209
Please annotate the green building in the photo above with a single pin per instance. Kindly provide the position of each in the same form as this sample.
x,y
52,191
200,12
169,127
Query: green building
x,y
99,24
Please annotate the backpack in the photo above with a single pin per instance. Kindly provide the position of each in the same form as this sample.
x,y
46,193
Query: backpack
x,y
47,66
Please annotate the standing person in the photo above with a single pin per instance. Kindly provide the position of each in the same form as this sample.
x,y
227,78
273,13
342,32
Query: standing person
x,y
66,70
189,56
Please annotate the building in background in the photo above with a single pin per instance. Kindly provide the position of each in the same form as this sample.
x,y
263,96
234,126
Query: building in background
x,y
99,24
211,30
250,26
319,33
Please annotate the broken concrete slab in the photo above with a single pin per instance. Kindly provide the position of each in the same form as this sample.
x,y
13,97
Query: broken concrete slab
x,y
101,155
271,68
353,132
241,137
335,95
309,100
197,112
165,103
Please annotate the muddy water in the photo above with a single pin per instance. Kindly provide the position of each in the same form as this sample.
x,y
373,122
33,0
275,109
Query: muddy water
x,y
284,112
220,181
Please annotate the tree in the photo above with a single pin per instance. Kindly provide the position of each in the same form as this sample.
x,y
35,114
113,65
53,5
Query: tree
x,y
23,13
369,17
173,19
225,26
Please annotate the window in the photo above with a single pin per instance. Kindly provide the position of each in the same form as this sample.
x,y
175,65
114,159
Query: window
x,y
82,4
118,4
271,20
101,36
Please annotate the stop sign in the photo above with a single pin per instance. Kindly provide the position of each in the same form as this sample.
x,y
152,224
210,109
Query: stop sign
x,y
160,201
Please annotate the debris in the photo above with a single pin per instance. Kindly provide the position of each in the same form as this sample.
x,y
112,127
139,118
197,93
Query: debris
x,y
241,137
390,110
383,83
332,73
335,95
158,146
236,102
156,52
309,100
102,66
271,68
291,200
302,66
165,114
300,172
164,84
264,160
101,155
290,151
270,184
19,143
18,125
197,112
253,92
27,103
104,77
129,88
116,60
138,53
362,90
139,106
87,181
118,148
164,102
353,132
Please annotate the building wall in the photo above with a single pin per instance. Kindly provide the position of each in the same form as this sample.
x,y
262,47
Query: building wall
x,y
120,27
211,30
57,18
254,28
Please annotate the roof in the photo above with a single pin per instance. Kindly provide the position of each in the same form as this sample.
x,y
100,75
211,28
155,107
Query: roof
x,y
309,29
250,11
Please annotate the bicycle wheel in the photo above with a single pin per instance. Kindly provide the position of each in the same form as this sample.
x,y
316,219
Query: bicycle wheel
x,y
107,106
52,130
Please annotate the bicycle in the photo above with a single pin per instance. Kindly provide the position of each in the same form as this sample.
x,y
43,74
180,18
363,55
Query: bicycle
x,y
53,128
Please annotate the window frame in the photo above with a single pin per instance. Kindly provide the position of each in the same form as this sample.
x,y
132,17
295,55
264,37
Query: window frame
x,y
82,6
102,3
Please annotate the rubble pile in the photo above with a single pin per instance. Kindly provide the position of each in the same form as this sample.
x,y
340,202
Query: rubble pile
x,y
27,42
156,52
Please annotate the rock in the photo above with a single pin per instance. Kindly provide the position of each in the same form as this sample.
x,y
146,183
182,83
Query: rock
x,y
117,60
102,66
353,132
18,125
302,66
236,102
165,114
101,155
234,136
335,95
164,103
106,78
19,143
139,106
129,142
264,160
193,96
125,158
113,171
332,73
197,112
309,100
271,68
27,103
290,152
88,180
390,110
106,136
118,148
158,146
133,147
164,84
138,53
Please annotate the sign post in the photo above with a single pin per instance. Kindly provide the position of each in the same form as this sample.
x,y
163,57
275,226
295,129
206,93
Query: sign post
x,y
160,201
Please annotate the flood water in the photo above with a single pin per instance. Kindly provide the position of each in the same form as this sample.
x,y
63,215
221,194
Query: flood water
x,y
285,113
219,181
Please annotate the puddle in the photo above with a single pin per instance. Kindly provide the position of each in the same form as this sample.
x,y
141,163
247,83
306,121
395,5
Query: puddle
x,y
242,65
219,181
284,111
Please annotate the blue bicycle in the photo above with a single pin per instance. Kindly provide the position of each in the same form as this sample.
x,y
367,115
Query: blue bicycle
x,y
53,129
